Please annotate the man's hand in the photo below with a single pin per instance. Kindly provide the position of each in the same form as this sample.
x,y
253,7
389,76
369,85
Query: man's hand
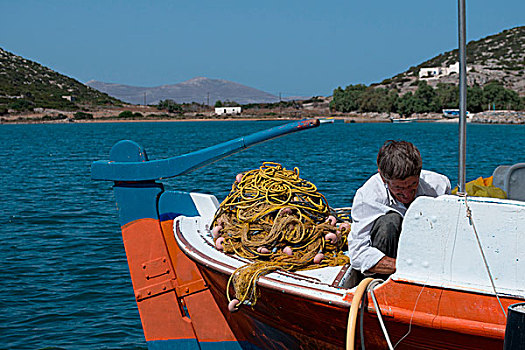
x,y
385,266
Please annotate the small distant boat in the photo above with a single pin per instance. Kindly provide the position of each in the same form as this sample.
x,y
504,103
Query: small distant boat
x,y
452,113
326,120
403,120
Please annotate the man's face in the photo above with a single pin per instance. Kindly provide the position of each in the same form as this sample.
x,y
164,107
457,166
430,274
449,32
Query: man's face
x,y
403,190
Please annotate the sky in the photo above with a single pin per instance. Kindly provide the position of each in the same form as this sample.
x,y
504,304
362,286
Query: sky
x,y
287,47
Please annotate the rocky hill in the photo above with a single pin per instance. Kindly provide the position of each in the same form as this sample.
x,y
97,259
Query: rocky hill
x,y
26,85
201,90
498,57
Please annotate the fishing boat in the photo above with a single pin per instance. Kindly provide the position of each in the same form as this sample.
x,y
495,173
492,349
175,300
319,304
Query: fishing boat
x,y
452,293
403,120
460,266
453,113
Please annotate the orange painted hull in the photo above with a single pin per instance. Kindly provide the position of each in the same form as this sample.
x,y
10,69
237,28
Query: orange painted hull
x,y
193,307
434,318
296,322
169,288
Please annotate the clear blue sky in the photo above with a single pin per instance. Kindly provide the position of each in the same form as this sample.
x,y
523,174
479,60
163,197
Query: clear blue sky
x,y
287,46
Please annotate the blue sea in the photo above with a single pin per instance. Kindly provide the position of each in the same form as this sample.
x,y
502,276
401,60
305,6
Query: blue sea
x,y
64,277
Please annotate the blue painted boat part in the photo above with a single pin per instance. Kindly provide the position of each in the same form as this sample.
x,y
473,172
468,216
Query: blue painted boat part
x,y
190,344
137,201
175,203
128,161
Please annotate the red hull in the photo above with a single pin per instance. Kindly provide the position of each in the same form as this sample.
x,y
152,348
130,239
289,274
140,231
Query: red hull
x,y
438,318
295,322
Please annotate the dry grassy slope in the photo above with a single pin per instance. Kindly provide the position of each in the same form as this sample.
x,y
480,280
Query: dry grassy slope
x,y
497,57
39,86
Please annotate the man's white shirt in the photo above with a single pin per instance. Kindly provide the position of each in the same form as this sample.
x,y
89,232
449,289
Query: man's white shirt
x,y
373,200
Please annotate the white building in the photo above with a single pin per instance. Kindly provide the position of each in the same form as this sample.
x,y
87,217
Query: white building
x,y
227,110
437,72
69,98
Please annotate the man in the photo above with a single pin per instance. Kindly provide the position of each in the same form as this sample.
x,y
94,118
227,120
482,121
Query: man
x,y
380,204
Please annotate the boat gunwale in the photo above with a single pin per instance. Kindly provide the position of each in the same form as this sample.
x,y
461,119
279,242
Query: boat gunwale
x,y
265,281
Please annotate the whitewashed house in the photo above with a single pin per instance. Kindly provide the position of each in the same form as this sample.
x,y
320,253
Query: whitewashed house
x,y
432,72
69,98
227,110
436,72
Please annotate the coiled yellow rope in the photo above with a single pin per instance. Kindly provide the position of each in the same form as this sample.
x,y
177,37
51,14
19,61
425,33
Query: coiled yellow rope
x,y
278,220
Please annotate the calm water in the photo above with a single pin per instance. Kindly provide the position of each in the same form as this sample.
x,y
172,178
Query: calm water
x,y
65,280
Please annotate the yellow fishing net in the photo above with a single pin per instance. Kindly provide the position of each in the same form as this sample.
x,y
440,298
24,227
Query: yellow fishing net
x,y
279,221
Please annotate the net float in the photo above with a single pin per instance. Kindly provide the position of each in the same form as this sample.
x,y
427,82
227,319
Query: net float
x,y
232,306
331,220
288,251
332,237
263,250
215,231
218,243
318,258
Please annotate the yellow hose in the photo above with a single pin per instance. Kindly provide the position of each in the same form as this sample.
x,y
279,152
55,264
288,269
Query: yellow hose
x,y
352,316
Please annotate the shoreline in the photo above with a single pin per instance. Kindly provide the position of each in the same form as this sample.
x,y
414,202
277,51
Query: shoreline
x,y
145,120
343,120
59,117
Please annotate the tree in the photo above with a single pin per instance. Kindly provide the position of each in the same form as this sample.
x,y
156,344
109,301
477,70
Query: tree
x,y
170,106
447,96
512,100
82,115
21,104
377,100
347,100
424,98
229,103
406,104
475,102
125,114
494,95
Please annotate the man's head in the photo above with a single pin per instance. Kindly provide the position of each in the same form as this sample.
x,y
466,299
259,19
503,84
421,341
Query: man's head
x,y
399,164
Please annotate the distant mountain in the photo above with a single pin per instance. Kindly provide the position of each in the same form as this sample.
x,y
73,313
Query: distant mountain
x,y
26,85
201,90
498,57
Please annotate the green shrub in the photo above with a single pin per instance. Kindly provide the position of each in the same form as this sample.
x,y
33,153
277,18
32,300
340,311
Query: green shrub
x,y
126,114
82,115
21,105
54,117
169,105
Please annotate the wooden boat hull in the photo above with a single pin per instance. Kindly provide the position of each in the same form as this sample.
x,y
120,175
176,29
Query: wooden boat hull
x,y
437,318
283,321
290,322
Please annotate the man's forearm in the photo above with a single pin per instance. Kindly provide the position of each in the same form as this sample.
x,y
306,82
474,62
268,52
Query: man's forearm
x,y
385,266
